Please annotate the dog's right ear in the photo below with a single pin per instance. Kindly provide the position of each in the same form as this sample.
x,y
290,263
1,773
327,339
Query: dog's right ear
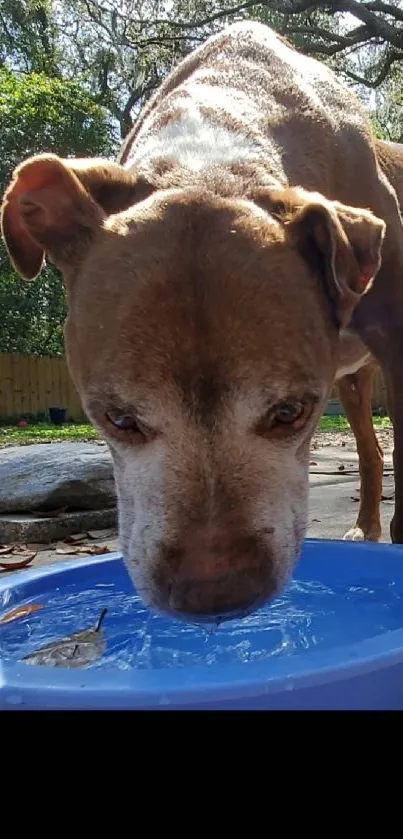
x,y
343,243
51,205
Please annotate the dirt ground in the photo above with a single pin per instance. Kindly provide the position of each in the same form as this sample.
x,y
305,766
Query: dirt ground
x,y
346,440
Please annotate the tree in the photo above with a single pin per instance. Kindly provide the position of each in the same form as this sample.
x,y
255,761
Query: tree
x,y
41,114
122,49
128,47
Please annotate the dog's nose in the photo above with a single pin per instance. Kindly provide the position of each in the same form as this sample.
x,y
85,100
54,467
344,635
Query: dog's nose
x,y
212,555
214,574
225,598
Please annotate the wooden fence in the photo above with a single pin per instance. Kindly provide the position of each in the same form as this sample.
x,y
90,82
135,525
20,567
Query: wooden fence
x,y
32,384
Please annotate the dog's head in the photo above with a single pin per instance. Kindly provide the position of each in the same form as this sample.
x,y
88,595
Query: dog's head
x,y
202,336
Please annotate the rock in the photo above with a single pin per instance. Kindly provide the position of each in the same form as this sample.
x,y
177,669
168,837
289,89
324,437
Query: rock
x,y
51,476
17,527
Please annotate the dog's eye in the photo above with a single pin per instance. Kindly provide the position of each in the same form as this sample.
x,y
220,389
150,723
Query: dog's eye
x,y
285,418
126,424
288,412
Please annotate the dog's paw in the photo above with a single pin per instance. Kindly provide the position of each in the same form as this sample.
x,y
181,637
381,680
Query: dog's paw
x,y
355,534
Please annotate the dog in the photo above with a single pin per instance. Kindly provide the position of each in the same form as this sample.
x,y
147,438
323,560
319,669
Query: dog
x,y
354,384
211,274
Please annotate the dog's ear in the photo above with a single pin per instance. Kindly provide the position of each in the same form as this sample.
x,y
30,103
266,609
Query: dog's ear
x,y
344,243
53,205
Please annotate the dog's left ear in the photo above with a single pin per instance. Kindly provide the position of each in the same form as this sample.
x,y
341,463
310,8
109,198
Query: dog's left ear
x,y
344,243
52,205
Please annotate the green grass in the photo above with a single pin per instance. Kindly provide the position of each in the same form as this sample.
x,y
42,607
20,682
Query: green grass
x,y
42,432
341,424
11,435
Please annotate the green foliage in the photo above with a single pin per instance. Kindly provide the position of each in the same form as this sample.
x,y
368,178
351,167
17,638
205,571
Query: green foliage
x,y
49,114
37,114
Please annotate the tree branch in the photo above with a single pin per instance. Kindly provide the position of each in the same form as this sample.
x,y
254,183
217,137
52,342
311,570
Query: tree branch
x,y
382,75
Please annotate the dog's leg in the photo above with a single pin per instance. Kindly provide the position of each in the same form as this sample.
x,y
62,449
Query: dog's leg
x,y
393,372
355,394
385,341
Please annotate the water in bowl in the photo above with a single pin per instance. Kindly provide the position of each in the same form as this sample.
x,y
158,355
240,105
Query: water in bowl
x,y
308,616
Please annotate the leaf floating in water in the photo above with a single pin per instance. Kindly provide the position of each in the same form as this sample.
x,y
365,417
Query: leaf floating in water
x,y
76,650
100,620
21,612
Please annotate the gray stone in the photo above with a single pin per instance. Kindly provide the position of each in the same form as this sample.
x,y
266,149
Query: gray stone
x,y
19,528
49,476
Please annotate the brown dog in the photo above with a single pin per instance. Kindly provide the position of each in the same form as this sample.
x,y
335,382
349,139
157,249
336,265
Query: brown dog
x,y
208,278
355,388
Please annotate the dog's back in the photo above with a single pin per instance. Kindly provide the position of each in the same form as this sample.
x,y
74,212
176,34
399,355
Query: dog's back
x,y
247,97
390,158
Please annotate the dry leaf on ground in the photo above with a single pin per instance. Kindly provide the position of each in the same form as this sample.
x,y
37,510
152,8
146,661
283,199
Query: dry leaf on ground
x,y
99,549
77,537
67,549
21,550
86,550
39,546
13,562
102,534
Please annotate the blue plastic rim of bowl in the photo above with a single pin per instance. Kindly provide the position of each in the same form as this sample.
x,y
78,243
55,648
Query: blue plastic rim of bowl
x,y
364,675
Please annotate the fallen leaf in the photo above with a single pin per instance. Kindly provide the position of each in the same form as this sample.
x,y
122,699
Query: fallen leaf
x,y
76,537
76,650
15,561
39,546
21,550
342,467
101,534
21,612
313,463
68,550
97,549
87,550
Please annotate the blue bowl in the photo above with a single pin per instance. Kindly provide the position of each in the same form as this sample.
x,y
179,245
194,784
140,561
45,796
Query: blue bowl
x,y
333,640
